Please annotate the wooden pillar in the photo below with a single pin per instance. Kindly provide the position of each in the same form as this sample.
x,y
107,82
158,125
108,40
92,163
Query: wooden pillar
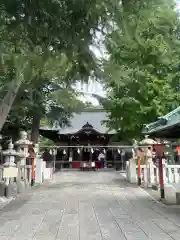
x,y
90,154
105,158
139,156
139,170
69,144
81,154
159,148
70,157
113,158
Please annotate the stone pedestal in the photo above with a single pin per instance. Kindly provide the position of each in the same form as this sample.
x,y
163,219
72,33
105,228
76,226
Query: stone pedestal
x,y
29,173
2,188
178,198
21,186
11,190
150,172
132,171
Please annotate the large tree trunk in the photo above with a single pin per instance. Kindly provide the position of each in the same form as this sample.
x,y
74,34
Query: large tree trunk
x,y
126,5
7,102
35,128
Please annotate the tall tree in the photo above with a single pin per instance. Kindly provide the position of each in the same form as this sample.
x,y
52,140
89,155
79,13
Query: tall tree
x,y
45,29
142,71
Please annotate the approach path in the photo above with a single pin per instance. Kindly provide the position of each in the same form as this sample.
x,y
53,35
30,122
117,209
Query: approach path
x,y
88,206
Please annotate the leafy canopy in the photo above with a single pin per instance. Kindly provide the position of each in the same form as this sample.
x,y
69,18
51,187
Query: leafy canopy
x,y
142,72
44,50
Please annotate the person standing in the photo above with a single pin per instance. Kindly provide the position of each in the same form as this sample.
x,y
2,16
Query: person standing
x,y
101,159
47,157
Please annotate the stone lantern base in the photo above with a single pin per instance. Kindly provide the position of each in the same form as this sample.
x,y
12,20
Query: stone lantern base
x,y
21,186
2,189
11,190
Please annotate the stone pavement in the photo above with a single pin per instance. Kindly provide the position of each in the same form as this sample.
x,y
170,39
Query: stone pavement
x,y
88,206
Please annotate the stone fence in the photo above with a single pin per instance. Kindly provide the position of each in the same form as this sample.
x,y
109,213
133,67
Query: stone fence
x,y
150,179
150,173
16,174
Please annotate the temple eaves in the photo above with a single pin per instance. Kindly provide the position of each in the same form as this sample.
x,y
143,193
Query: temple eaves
x,y
165,126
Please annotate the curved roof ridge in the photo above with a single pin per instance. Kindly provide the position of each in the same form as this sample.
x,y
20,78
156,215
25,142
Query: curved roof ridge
x,y
170,119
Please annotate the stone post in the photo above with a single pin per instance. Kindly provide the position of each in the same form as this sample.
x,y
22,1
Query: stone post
x,y
53,153
105,158
36,150
10,171
70,157
39,170
132,169
150,169
122,160
54,159
147,144
149,173
132,175
22,146
20,180
127,171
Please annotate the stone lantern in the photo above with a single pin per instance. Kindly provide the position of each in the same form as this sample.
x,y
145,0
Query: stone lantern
x,y
10,170
22,148
10,155
147,145
147,142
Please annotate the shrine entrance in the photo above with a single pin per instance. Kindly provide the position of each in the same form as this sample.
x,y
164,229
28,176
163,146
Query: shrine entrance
x,y
74,156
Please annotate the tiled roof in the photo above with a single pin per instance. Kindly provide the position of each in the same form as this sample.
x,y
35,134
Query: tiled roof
x,y
169,120
94,118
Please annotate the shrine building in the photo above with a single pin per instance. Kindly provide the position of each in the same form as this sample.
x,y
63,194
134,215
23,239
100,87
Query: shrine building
x,y
84,139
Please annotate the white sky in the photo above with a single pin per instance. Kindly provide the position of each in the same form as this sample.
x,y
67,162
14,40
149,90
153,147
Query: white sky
x,y
93,87
89,89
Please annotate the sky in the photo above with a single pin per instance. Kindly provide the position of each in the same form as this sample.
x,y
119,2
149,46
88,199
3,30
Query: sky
x,y
88,89
93,87
178,4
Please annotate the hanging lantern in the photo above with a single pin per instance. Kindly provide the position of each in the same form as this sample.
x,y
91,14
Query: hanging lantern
x,y
50,152
104,150
64,151
78,151
92,150
119,151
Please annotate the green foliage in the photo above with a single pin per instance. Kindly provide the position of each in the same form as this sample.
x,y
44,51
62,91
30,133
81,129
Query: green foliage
x,y
44,143
58,27
44,47
142,72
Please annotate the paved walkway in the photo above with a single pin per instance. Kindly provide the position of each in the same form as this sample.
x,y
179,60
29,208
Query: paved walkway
x,y
88,206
